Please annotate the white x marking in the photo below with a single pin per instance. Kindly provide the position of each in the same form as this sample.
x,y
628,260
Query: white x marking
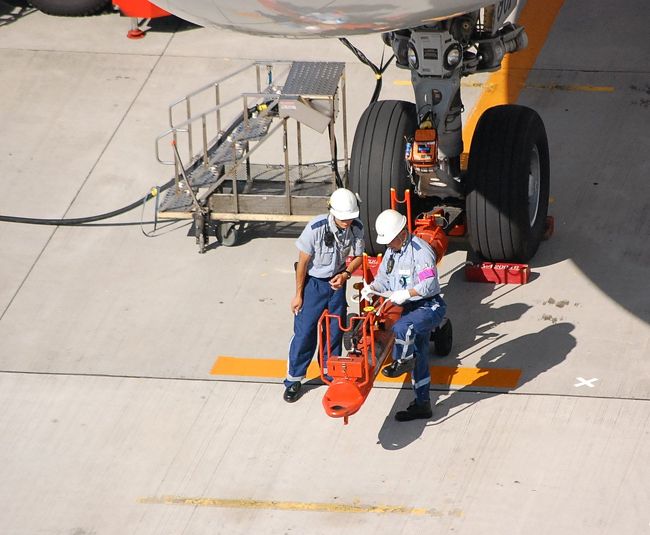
x,y
586,382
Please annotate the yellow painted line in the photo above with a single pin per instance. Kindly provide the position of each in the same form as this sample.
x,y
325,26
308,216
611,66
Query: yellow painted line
x,y
550,87
504,85
440,375
574,87
458,376
298,506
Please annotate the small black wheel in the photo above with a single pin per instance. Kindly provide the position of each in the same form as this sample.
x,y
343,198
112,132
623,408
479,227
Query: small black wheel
x,y
71,8
377,160
508,184
228,233
442,338
348,343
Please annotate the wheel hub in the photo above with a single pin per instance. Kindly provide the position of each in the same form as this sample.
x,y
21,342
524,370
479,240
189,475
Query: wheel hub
x,y
534,186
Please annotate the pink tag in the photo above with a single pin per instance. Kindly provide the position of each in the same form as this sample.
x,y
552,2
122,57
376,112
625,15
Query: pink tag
x,y
426,274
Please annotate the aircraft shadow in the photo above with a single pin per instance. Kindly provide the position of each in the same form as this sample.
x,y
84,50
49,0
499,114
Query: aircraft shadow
x,y
533,354
170,24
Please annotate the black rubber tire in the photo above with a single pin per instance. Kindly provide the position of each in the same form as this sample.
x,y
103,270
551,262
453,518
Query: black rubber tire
x,y
71,8
228,233
377,160
443,338
508,145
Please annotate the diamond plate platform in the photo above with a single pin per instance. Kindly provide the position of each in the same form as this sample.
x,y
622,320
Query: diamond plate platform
x,y
317,78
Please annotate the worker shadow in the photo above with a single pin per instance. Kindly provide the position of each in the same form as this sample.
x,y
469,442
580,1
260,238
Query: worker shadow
x,y
533,354
479,329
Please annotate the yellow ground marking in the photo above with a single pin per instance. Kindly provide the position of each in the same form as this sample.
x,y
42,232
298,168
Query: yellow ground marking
x,y
504,85
551,87
298,506
573,87
440,375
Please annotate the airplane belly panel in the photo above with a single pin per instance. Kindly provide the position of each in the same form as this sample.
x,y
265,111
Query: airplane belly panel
x,y
312,18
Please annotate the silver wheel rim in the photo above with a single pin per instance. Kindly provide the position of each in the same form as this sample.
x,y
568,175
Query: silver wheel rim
x,y
534,186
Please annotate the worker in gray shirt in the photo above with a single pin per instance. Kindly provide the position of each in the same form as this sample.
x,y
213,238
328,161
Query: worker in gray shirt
x,y
321,278
408,273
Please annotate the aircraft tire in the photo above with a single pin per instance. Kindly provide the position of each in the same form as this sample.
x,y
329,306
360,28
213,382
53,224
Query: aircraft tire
x,y
71,8
508,184
377,160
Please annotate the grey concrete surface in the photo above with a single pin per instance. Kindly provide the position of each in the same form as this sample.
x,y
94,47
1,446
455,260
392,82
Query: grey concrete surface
x,y
107,337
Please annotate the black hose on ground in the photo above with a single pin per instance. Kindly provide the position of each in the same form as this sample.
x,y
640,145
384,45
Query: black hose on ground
x,y
90,219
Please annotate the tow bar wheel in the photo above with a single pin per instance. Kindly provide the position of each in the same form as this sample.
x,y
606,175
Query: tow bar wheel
x,y
508,184
377,161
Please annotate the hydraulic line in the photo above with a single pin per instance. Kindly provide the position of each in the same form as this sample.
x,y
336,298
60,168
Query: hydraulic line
x,y
107,215
379,71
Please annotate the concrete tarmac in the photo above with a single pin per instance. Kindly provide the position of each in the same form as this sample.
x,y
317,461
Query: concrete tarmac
x,y
111,421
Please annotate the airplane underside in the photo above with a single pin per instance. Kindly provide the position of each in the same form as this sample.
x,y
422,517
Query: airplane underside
x,y
498,188
500,192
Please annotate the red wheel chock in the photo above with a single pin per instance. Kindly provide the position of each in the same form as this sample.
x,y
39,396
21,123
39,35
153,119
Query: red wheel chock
x,y
497,272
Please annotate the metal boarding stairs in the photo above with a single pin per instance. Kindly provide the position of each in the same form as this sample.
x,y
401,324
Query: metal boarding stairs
x,y
218,185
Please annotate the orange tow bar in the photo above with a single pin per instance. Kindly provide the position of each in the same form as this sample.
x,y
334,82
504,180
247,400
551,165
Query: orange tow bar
x,y
368,335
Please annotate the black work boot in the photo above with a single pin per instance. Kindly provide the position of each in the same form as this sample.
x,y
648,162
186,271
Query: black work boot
x,y
292,392
417,410
399,367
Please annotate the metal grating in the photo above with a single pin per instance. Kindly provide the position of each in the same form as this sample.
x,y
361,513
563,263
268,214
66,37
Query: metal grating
x,y
313,78
257,127
176,201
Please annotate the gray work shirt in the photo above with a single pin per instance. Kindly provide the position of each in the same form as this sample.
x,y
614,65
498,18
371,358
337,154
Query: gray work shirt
x,y
328,256
413,266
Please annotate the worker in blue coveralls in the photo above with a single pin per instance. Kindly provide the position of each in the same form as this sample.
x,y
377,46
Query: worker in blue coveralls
x,y
408,271
321,278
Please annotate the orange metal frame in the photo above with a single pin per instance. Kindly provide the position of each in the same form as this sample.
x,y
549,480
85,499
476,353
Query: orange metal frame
x,y
142,9
353,374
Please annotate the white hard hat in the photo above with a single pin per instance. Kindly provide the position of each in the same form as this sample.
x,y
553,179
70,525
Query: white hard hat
x,y
388,225
343,204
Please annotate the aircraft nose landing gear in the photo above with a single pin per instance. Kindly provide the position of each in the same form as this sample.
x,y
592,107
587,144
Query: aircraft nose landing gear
x,y
505,190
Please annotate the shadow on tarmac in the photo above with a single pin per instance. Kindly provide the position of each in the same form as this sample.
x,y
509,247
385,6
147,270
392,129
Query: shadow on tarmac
x,y
253,230
533,354
13,11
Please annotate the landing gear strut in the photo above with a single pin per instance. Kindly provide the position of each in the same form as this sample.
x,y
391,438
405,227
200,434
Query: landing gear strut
x,y
397,144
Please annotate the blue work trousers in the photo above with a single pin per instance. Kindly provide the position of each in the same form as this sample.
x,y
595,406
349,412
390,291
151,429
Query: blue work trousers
x,y
412,335
318,295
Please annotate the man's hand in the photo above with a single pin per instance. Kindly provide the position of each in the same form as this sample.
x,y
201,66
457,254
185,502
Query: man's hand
x,y
400,296
338,280
296,304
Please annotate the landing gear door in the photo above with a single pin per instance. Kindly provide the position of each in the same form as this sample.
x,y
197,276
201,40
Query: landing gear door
x,y
496,15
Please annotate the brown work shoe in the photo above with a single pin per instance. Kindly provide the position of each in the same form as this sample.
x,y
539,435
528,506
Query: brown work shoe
x,y
415,411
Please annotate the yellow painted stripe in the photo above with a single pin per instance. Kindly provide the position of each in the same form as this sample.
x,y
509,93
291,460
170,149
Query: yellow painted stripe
x,y
504,86
550,87
440,375
573,87
299,506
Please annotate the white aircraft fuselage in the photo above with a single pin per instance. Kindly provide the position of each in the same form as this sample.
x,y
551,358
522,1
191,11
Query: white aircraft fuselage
x,y
319,18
